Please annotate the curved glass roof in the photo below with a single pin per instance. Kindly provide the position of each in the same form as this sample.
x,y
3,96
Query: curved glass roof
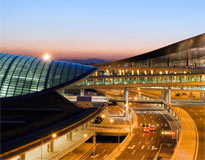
x,y
22,75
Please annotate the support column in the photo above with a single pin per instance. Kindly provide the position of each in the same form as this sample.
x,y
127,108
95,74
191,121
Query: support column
x,y
169,95
126,96
67,137
191,94
82,92
201,96
166,95
94,143
71,136
50,146
22,157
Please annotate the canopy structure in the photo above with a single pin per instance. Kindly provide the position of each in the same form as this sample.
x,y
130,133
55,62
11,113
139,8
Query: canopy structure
x,y
23,75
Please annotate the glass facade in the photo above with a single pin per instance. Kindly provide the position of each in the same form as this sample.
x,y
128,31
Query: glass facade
x,y
189,53
148,79
21,75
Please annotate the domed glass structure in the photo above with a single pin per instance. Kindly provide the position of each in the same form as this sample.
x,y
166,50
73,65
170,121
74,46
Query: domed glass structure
x,y
23,75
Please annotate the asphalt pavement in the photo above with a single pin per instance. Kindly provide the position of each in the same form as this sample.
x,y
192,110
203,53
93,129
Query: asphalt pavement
x,y
198,115
145,146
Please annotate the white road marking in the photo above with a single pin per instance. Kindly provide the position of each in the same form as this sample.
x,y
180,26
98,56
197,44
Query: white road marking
x,y
103,151
133,146
133,152
142,157
148,147
142,147
154,148
105,156
201,118
196,114
152,139
139,142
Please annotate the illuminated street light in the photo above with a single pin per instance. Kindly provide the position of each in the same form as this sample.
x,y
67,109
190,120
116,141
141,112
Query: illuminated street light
x,y
85,135
111,120
54,135
103,116
46,57
138,89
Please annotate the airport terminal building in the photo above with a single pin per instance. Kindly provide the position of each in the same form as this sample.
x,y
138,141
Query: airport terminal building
x,y
32,107
31,104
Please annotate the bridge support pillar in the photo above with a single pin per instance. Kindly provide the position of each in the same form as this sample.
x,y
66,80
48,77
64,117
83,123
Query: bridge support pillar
x,y
126,96
50,146
166,95
202,96
71,136
82,92
83,127
22,157
94,143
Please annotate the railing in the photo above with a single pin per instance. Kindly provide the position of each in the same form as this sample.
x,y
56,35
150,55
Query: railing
x,y
143,79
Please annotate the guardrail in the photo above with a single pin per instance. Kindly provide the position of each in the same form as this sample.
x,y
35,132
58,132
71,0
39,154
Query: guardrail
x,y
75,145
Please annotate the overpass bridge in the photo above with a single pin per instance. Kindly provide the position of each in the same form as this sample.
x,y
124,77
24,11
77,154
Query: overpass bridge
x,y
154,101
133,81
111,130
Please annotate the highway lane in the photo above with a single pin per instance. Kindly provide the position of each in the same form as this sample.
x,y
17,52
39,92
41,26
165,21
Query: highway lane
x,y
145,145
102,151
198,115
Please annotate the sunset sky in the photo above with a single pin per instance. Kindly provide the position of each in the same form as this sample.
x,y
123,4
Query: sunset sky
x,y
107,29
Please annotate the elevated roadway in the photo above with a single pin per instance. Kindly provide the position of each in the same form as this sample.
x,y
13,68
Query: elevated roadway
x,y
197,113
158,101
131,81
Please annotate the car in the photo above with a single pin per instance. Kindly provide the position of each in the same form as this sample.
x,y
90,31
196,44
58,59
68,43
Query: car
x,y
145,128
152,128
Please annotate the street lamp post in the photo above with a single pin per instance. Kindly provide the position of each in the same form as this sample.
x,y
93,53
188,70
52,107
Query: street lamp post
x,y
118,139
94,141
41,148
